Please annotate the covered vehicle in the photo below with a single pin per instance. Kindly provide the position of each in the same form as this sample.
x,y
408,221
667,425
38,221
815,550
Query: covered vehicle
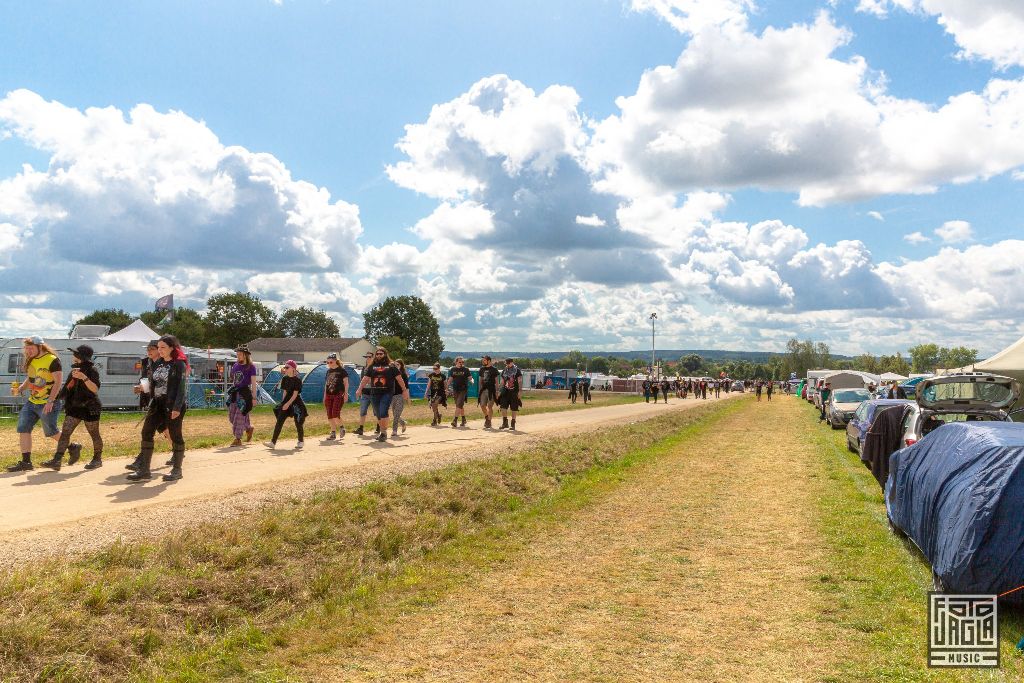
x,y
958,494
842,404
965,397
858,426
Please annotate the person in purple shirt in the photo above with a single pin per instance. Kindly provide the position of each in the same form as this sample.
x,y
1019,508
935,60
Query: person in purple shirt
x,y
242,395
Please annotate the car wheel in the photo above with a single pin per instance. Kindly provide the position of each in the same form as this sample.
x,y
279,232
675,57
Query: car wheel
x,y
895,529
849,445
835,426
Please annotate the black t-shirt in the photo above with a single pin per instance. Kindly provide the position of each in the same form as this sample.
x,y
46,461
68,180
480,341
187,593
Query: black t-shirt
x,y
488,378
334,383
435,384
460,378
290,386
405,378
382,378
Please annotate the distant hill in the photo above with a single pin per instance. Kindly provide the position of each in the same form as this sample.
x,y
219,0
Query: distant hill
x,y
665,354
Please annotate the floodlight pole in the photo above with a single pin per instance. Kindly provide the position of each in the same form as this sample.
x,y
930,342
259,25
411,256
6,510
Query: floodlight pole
x,y
654,316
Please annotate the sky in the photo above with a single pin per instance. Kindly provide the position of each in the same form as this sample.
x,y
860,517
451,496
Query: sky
x,y
544,174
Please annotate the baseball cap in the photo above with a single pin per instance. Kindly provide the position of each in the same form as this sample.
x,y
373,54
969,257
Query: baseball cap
x,y
37,340
84,352
292,364
331,356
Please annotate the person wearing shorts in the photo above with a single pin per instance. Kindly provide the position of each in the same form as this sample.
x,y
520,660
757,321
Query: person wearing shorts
x,y
436,394
380,381
459,379
488,389
511,386
44,377
335,393
364,398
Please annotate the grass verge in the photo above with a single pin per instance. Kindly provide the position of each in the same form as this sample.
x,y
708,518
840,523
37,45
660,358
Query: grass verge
x,y
251,598
877,585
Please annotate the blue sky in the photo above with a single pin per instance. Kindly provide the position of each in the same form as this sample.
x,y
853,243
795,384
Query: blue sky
x,y
301,95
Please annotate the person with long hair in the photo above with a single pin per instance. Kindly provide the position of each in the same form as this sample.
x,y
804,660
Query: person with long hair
x,y
398,398
166,410
436,394
488,389
335,393
43,380
459,379
291,405
242,395
510,399
381,380
364,398
80,394
145,391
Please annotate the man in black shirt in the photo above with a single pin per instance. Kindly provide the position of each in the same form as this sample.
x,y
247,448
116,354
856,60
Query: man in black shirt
x,y
381,380
572,391
488,389
459,379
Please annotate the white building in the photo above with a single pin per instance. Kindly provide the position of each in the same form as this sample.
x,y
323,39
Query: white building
x,y
273,350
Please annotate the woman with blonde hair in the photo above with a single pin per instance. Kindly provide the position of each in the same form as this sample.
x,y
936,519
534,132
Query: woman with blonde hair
x,y
43,380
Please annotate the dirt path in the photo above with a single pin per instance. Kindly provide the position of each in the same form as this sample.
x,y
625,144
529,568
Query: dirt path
x,y
699,568
74,510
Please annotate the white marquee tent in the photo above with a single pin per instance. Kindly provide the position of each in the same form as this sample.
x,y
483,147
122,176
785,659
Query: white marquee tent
x,y
1009,362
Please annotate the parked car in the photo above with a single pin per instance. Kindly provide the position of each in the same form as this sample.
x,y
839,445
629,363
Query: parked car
x,y
842,404
737,386
966,397
858,426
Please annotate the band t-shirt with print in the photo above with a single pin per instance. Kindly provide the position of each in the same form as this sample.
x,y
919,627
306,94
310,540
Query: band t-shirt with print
x,y
435,384
511,378
334,383
488,378
40,377
241,375
382,378
460,378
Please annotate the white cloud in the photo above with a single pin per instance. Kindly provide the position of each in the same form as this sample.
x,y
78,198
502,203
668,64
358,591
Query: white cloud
x,y
983,29
111,179
877,216
742,110
694,16
593,221
952,232
916,237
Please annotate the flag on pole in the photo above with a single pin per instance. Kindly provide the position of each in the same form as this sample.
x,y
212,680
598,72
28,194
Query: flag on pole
x,y
165,303
166,320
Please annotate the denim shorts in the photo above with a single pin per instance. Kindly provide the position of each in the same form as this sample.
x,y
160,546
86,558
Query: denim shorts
x,y
33,412
364,404
381,405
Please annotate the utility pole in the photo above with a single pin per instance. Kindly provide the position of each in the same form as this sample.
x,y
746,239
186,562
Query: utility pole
x,y
654,316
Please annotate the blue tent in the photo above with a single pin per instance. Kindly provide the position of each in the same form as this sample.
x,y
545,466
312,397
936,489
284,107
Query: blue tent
x,y
313,379
958,494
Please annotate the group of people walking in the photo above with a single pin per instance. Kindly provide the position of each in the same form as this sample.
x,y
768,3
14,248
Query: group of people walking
x,y
162,389
383,390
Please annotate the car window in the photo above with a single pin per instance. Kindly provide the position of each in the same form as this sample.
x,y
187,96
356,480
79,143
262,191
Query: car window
x,y
850,395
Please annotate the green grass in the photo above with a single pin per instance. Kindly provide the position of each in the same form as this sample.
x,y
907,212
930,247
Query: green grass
x,y
254,598
877,584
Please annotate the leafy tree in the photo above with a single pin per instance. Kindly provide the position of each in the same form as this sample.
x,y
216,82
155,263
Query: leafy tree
x,y
599,364
237,318
572,359
691,363
410,318
308,323
957,357
188,326
866,363
396,346
925,357
114,317
894,363
620,368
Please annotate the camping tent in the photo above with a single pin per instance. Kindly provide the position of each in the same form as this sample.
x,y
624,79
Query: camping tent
x,y
138,331
1009,362
893,377
957,493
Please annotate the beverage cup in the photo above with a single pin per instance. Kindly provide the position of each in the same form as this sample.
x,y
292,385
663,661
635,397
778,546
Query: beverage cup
x,y
14,388
144,383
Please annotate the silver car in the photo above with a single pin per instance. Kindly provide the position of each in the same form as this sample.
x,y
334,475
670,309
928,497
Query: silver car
x,y
963,397
842,404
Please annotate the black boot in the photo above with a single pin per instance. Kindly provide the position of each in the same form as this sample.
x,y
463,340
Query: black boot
x,y
74,453
176,460
463,420
359,430
134,464
54,462
96,462
504,423
142,472
24,466
513,425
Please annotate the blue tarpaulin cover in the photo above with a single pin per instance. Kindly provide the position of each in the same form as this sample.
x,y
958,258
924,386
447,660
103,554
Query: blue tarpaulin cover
x,y
959,495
